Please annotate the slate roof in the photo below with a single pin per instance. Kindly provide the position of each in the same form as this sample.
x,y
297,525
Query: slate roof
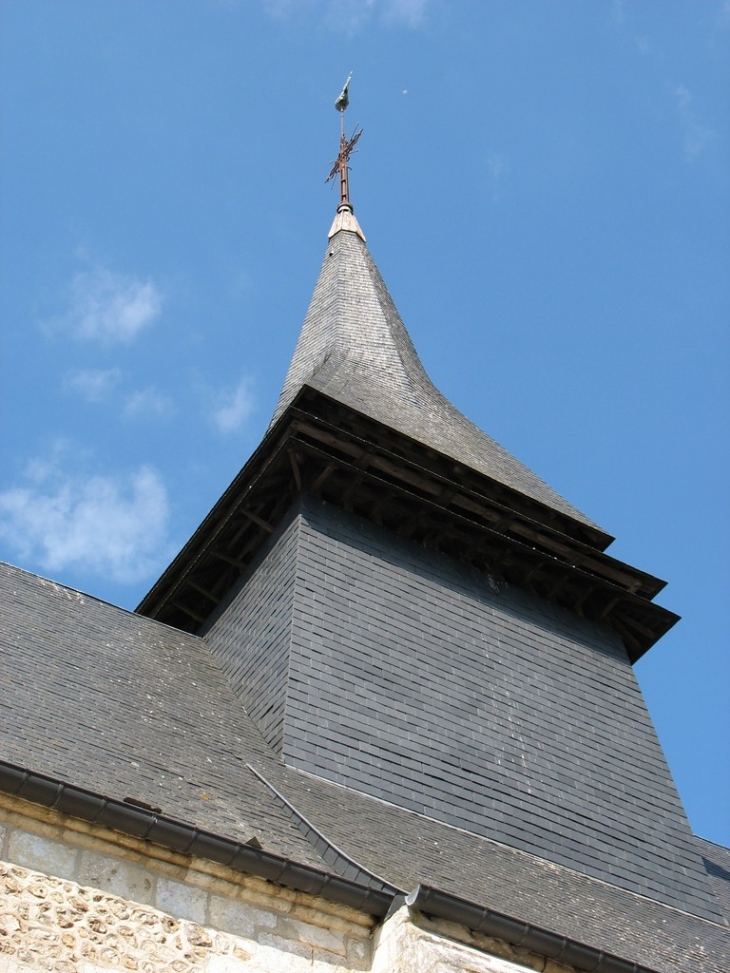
x,y
128,707
717,865
355,348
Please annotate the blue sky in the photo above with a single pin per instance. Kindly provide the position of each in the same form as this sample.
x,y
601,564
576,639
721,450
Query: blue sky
x,y
544,186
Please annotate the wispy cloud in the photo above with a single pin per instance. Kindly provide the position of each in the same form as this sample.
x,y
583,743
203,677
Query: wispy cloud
x,y
110,308
352,15
696,136
496,165
115,526
624,20
283,9
409,13
234,407
93,384
148,402
618,11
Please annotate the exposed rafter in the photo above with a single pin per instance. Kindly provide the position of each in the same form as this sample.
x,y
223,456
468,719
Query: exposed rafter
x,y
347,459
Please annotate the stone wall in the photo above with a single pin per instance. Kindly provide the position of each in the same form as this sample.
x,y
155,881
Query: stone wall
x,y
75,898
73,901
410,943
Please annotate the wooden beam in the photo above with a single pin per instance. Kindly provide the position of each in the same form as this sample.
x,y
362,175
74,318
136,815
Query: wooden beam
x,y
322,478
630,641
294,460
241,565
189,611
254,518
608,608
204,591
637,626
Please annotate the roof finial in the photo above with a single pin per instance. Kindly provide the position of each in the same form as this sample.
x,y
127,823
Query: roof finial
x,y
346,147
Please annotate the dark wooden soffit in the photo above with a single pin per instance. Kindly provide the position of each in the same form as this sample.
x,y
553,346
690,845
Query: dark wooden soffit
x,y
322,449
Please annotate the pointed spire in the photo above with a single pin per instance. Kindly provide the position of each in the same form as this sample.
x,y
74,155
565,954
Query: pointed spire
x,y
354,348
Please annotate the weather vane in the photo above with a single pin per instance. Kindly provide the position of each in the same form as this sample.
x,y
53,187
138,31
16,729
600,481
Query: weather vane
x,y
346,147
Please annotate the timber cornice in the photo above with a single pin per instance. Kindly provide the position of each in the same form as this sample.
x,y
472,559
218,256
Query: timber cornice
x,y
323,449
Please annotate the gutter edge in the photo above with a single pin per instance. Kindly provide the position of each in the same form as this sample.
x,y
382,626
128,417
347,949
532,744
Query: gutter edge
x,y
186,839
441,905
168,832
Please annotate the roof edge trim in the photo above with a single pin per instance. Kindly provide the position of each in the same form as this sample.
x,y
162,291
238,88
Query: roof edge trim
x,y
441,905
137,822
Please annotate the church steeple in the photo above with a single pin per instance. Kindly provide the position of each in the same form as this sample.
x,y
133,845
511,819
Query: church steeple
x,y
405,609
392,659
354,346
359,424
425,621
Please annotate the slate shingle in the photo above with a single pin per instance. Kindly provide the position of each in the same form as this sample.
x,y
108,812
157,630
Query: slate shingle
x,y
491,711
158,722
355,348
501,745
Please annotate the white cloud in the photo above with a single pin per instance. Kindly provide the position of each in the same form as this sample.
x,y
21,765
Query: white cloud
x,y
618,10
409,13
282,9
625,21
109,307
234,407
108,525
349,15
148,402
696,136
684,99
94,384
496,164
352,15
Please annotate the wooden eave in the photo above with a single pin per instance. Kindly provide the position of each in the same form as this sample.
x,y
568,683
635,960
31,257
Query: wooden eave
x,y
323,449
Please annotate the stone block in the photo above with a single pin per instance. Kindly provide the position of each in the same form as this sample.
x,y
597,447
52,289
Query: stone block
x,y
552,967
318,915
326,963
209,881
42,854
277,955
359,953
238,917
230,964
315,936
117,876
181,901
272,897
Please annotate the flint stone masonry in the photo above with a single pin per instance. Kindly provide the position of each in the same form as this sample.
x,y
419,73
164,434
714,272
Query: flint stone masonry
x,y
419,681
73,902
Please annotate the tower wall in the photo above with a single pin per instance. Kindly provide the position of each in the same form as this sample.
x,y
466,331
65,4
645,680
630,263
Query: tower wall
x,y
251,636
427,684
